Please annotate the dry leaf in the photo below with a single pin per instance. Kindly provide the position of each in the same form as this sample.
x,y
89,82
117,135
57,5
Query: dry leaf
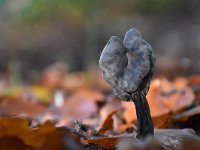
x,y
186,115
163,139
21,107
106,142
108,123
13,143
14,126
194,80
44,136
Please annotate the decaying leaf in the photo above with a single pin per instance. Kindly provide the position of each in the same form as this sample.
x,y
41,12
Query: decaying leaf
x,y
18,133
133,144
164,139
176,139
13,143
108,123
106,142
186,115
12,107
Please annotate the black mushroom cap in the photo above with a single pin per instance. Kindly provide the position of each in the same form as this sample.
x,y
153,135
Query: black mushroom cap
x,y
127,66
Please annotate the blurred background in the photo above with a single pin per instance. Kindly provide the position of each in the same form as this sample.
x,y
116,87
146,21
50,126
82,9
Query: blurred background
x,y
35,33
49,49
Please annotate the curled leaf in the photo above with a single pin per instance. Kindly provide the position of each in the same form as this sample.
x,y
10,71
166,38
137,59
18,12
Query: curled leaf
x,y
108,123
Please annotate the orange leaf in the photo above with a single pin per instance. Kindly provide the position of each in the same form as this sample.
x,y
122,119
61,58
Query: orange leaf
x,y
15,132
36,137
13,126
108,123
13,143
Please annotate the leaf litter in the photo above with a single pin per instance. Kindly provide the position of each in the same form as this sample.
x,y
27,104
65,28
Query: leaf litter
x,y
91,118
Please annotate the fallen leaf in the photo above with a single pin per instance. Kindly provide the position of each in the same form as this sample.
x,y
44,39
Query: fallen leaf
x,y
13,126
163,139
174,139
134,144
194,80
106,142
13,107
186,115
18,133
109,107
13,143
108,123
62,139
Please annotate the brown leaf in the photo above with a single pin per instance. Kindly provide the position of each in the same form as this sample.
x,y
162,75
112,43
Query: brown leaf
x,y
14,127
186,115
13,143
108,123
105,142
38,138
174,139
165,139
133,144
194,80
21,107
62,139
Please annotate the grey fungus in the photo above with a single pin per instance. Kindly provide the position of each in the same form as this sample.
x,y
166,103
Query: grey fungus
x,y
127,66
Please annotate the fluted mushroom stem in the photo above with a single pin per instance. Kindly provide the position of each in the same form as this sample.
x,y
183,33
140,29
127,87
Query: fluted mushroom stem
x,y
144,121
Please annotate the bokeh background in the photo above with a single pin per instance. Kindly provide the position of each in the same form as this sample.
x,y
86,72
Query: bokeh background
x,y
37,33
49,52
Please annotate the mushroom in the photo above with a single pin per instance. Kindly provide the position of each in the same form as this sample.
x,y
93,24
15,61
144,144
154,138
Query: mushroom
x,y
128,67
